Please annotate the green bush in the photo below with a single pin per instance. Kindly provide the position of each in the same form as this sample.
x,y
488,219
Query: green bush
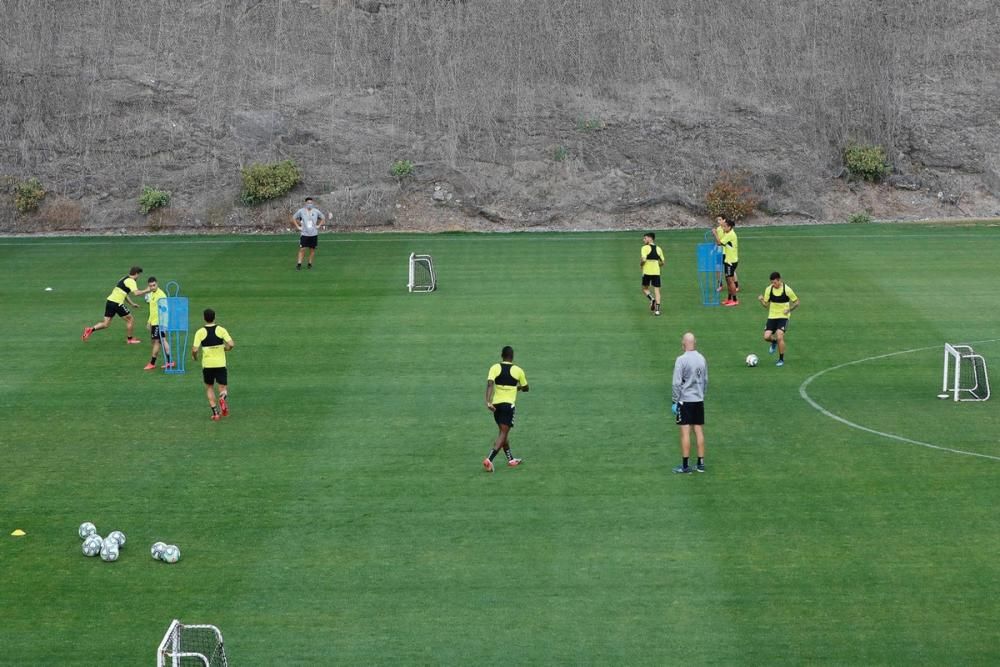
x,y
28,195
860,219
268,181
866,162
402,168
559,153
152,198
731,196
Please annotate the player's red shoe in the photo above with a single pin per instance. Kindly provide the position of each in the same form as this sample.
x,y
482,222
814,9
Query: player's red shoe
x,y
730,302
216,417
169,364
149,367
132,341
86,333
513,463
488,465
224,406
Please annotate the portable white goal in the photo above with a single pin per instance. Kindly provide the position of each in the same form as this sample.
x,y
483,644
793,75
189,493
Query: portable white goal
x,y
191,646
422,277
965,376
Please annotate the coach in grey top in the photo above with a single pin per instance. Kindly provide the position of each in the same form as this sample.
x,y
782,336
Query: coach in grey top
x,y
688,396
308,220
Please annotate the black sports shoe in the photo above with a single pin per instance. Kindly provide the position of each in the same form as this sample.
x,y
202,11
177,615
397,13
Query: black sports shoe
x,y
684,469
700,467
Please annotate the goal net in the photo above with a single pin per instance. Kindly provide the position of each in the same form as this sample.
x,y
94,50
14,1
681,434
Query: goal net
x,y
965,376
422,277
191,646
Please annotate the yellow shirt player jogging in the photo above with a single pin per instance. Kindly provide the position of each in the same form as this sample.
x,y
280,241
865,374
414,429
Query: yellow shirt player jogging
x,y
778,301
506,377
212,338
125,286
651,256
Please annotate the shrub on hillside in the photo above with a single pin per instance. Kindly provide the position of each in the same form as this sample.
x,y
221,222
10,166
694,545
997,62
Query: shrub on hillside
x,y
402,168
866,162
152,198
860,219
268,181
28,194
731,196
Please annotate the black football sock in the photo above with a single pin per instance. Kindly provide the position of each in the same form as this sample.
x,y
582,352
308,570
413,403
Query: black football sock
x,y
685,462
510,455
152,361
493,453
701,460
215,409
781,357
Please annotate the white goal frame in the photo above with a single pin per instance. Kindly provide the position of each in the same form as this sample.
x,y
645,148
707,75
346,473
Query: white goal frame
x,y
171,653
424,260
951,382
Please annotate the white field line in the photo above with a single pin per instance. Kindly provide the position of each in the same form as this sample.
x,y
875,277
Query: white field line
x,y
42,242
892,436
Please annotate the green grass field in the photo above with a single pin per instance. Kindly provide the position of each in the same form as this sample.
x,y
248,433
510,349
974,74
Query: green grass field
x,y
340,515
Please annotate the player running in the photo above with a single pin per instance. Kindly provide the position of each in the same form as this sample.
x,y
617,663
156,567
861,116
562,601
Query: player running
x,y
503,382
651,259
216,341
115,305
780,300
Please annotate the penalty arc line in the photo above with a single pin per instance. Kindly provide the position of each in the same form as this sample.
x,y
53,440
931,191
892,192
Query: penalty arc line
x,y
892,436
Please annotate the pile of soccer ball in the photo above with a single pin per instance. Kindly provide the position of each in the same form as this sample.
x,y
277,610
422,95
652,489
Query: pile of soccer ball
x,y
108,547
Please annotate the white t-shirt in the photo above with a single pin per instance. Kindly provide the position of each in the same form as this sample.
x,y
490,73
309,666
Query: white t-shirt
x,y
308,218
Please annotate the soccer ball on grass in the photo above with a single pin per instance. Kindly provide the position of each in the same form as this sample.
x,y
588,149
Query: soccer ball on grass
x,y
752,360
92,545
118,536
156,551
171,554
86,529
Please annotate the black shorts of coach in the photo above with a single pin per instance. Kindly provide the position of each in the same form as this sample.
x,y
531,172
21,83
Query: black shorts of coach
x,y
650,280
308,241
120,309
215,375
503,414
779,324
691,413
730,269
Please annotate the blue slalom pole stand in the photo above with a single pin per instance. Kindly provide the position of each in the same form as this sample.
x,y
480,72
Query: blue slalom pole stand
x,y
173,314
709,271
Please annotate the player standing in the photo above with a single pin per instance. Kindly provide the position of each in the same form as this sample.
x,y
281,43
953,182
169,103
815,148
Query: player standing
x,y
651,259
115,305
726,238
216,341
153,324
780,300
503,382
688,395
308,220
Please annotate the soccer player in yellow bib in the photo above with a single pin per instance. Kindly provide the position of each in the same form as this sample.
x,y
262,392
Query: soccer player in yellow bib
x,y
651,259
115,305
502,384
780,300
216,341
153,324
725,236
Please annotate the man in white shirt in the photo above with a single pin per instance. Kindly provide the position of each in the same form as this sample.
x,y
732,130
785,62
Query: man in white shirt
x,y
308,220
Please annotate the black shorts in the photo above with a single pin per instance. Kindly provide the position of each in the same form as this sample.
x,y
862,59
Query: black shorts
x,y
730,269
308,241
650,280
691,413
503,413
779,324
215,375
154,333
120,309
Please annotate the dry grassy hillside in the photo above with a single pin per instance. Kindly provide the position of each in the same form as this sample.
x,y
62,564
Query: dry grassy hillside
x,y
562,112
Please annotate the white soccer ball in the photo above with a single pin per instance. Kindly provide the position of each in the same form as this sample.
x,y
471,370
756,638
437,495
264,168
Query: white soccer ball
x,y
171,554
752,360
109,552
92,545
118,536
156,551
86,529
